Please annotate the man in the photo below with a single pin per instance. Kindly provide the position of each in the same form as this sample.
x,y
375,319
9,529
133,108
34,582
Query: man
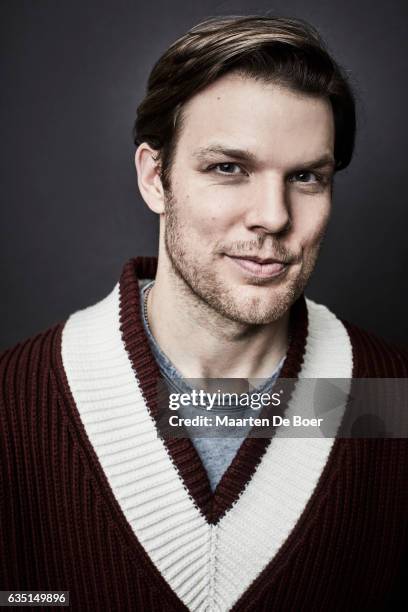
x,y
243,126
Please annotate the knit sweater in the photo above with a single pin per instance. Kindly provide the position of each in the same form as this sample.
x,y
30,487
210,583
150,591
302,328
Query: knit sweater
x,y
94,502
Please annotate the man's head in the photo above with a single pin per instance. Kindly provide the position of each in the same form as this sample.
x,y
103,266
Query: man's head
x,y
243,125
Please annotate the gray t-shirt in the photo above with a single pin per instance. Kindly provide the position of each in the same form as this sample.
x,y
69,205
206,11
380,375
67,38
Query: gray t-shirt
x,y
216,453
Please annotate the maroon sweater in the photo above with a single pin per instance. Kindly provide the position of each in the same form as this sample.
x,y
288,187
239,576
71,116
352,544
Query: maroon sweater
x,y
62,527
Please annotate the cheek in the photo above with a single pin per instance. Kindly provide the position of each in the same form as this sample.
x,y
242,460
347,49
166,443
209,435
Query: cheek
x,y
310,221
206,214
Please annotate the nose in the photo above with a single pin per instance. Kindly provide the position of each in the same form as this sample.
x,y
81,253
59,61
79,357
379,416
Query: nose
x,y
267,210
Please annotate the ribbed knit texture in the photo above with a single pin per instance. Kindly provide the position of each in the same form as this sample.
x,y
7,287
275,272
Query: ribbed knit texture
x,y
63,528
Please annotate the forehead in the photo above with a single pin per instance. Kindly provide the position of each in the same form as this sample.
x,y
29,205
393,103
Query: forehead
x,y
277,125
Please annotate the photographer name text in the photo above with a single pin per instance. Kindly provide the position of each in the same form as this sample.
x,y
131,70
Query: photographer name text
x,y
228,421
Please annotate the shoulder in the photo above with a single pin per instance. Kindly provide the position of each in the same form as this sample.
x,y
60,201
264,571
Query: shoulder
x,y
34,367
28,364
373,357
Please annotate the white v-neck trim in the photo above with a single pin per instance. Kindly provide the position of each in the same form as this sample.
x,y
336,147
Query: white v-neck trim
x,y
209,567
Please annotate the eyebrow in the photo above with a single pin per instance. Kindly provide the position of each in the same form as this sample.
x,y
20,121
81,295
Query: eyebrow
x,y
216,149
245,155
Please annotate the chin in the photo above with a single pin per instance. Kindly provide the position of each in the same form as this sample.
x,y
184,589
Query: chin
x,y
262,318
256,310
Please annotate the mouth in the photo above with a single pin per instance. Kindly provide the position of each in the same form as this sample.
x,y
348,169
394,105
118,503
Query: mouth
x,y
260,267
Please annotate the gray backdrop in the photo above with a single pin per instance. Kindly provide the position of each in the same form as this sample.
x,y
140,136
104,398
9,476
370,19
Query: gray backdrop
x,y
72,74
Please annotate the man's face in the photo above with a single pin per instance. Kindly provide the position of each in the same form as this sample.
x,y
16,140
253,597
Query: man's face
x,y
250,196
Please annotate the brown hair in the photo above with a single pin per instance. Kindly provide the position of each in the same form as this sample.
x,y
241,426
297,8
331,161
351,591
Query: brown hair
x,y
289,52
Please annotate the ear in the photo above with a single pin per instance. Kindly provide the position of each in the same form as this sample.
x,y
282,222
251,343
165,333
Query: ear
x,y
148,177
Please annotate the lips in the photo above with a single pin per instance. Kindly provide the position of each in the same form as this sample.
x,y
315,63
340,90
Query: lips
x,y
260,260
263,268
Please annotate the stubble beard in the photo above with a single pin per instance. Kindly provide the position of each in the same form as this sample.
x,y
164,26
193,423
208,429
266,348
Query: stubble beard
x,y
208,290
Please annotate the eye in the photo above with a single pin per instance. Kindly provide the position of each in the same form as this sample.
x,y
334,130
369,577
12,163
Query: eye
x,y
306,176
227,168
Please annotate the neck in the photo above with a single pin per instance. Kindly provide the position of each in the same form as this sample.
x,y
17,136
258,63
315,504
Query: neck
x,y
201,342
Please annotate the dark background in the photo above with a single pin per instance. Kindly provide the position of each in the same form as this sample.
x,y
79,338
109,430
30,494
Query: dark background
x,y
72,73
